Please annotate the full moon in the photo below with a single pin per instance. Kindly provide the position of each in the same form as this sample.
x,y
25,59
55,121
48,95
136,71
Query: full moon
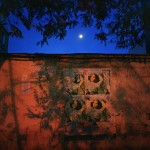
x,y
80,36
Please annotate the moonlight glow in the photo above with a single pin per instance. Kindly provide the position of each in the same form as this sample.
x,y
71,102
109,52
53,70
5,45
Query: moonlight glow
x,y
80,36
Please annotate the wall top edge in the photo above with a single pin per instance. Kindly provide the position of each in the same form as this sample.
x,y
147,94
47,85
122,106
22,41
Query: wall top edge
x,y
108,57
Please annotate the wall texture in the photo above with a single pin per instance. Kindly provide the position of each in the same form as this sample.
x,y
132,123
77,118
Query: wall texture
x,y
74,102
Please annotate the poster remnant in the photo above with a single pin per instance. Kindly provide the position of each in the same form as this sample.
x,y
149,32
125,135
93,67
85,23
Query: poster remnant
x,y
89,91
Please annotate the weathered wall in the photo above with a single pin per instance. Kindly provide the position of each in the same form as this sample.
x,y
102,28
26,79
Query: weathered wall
x,y
36,95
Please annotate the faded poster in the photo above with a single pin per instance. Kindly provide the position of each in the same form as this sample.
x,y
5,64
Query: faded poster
x,y
87,81
89,91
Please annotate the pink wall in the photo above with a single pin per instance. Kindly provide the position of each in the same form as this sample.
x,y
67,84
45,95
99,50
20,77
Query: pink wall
x,y
35,108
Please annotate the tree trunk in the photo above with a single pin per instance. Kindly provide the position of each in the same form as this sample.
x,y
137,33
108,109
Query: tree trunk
x,y
146,17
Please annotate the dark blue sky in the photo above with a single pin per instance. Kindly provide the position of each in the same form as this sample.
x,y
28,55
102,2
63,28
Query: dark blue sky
x,y
71,43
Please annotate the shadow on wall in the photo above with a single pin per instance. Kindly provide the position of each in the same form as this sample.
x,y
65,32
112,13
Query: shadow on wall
x,y
37,113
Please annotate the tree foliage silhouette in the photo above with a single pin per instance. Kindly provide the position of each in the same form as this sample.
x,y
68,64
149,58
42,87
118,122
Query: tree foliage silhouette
x,y
125,21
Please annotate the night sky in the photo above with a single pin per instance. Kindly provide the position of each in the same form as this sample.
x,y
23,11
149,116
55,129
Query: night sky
x,y
71,43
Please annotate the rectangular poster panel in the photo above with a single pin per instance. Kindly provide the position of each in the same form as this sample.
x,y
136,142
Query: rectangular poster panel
x,y
88,91
87,81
